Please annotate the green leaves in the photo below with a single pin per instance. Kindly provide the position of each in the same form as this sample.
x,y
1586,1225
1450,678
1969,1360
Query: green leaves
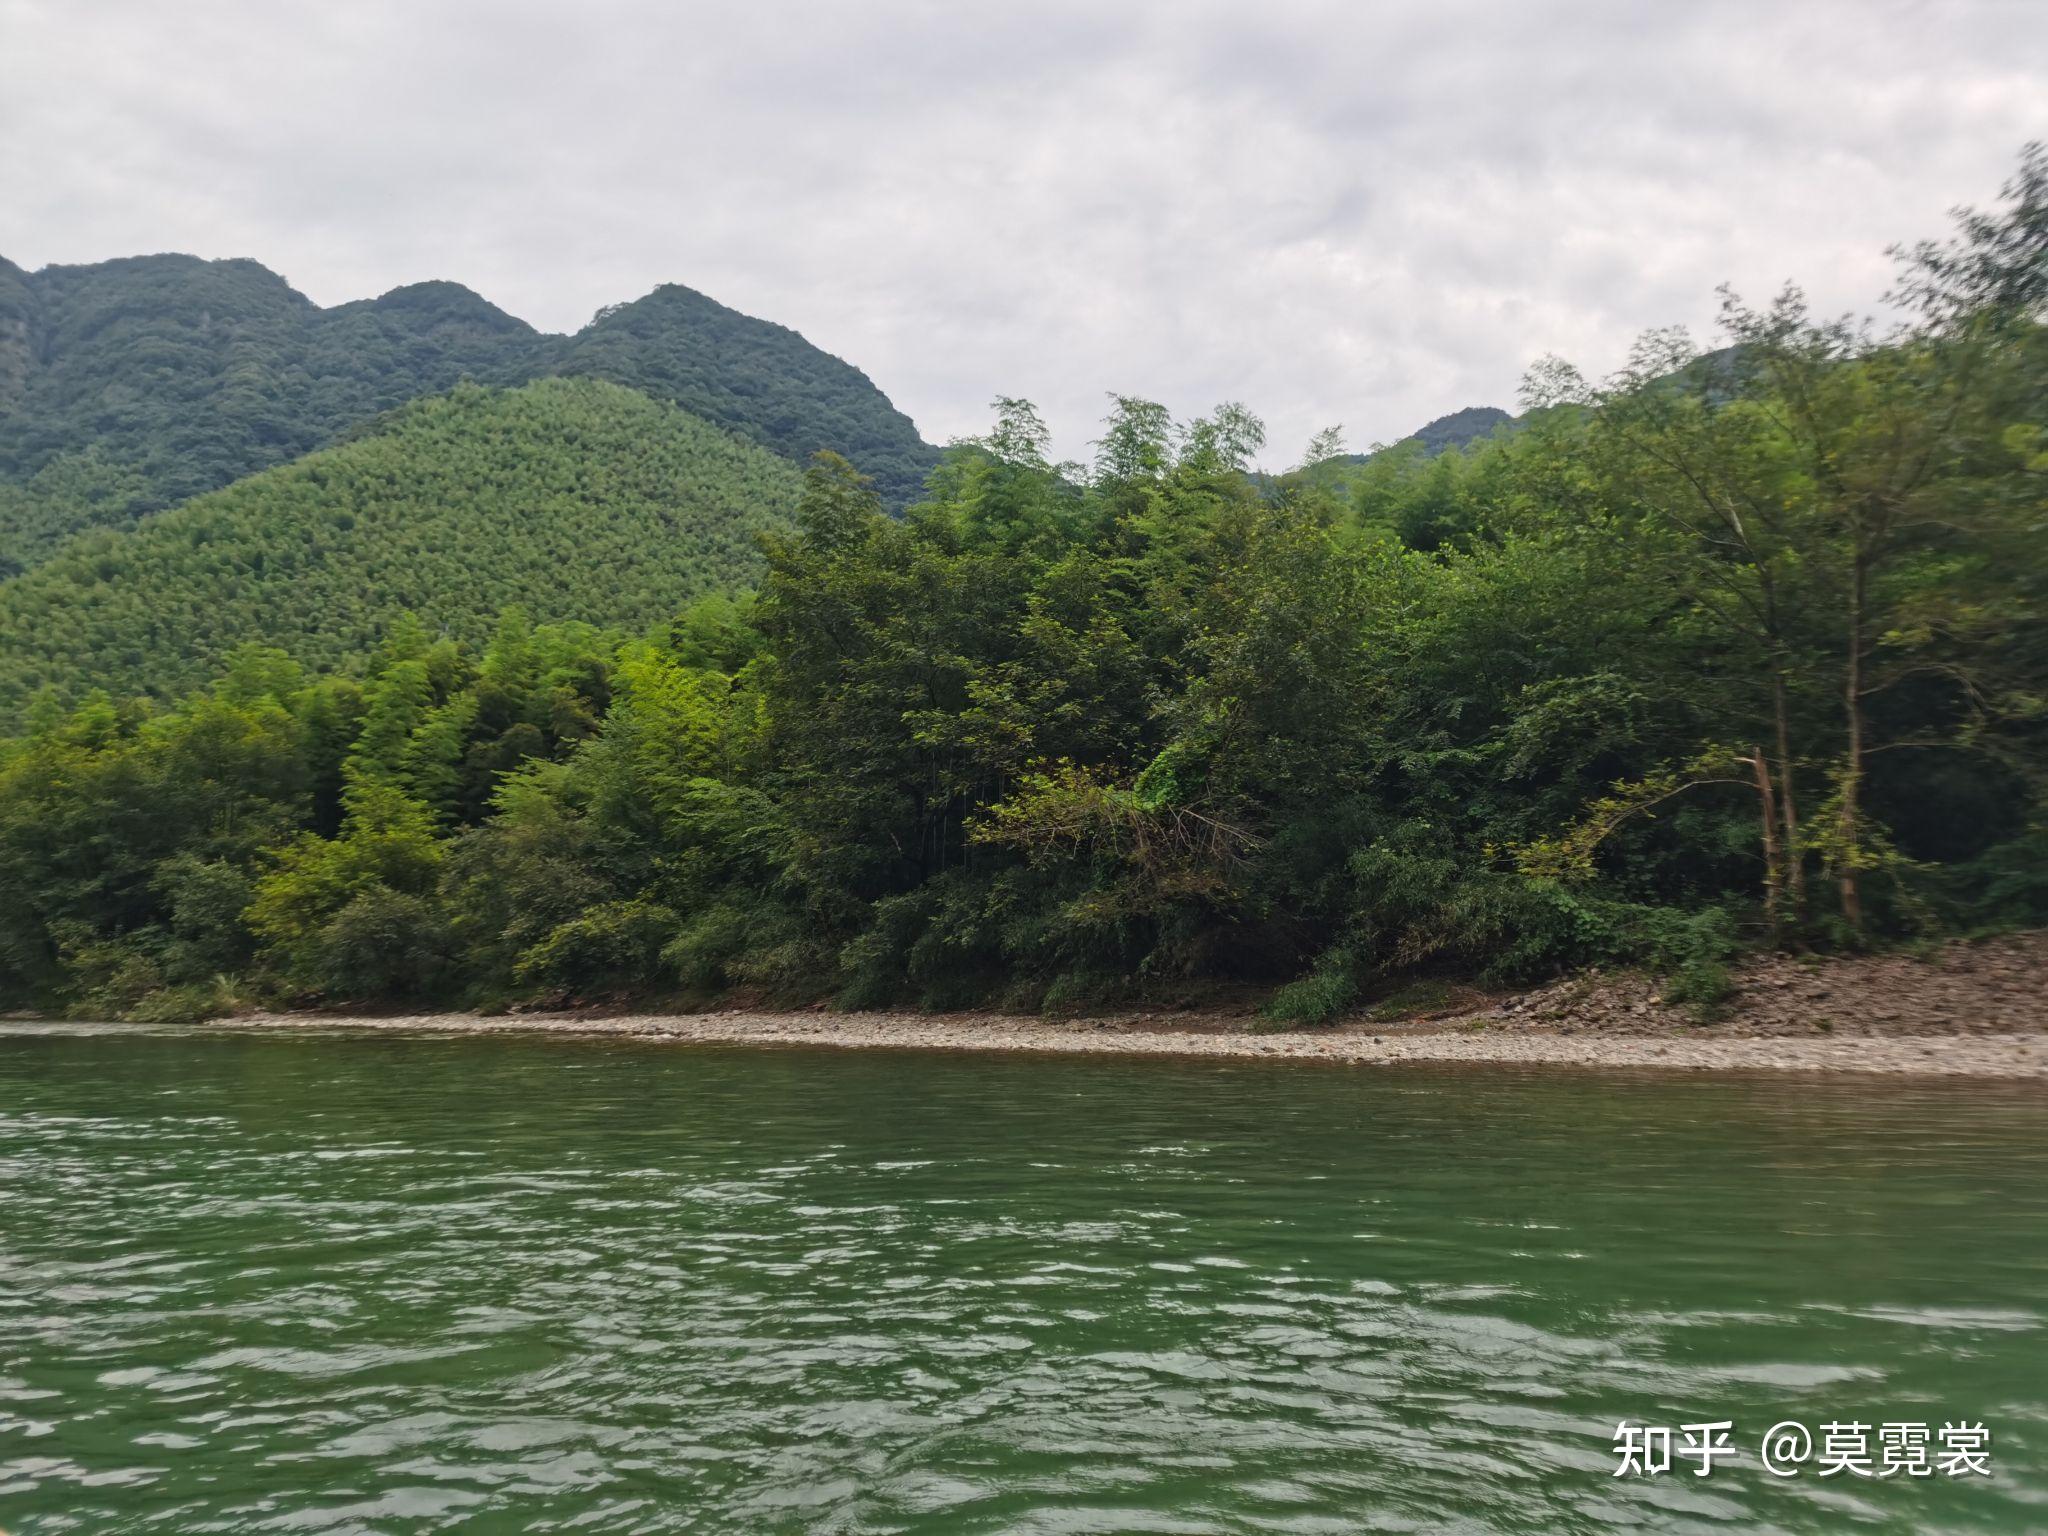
x,y
569,500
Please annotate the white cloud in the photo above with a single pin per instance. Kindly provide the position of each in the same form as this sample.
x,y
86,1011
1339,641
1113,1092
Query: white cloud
x,y
1336,212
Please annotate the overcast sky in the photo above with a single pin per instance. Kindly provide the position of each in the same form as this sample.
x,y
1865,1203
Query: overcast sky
x,y
1359,213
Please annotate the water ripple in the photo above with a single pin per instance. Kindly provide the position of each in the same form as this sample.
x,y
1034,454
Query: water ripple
x,y
354,1285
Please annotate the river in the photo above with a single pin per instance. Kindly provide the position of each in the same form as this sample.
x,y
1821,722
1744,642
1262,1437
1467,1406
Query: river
x,y
326,1283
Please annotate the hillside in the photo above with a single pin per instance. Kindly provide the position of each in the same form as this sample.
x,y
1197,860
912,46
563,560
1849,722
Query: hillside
x,y
761,380
134,384
128,386
577,499
1460,428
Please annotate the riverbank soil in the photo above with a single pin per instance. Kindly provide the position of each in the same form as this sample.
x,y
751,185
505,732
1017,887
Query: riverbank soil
x,y
1996,987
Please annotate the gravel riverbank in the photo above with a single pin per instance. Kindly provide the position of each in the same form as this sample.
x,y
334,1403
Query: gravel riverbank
x,y
1965,1010
2004,1055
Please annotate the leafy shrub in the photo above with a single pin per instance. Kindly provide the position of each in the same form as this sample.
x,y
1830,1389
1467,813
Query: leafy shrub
x,y
1692,950
205,899
611,948
743,942
1317,998
1074,992
192,1003
383,944
2005,887
111,977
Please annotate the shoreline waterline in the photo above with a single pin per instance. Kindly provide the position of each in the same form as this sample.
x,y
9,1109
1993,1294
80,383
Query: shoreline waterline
x,y
2004,1055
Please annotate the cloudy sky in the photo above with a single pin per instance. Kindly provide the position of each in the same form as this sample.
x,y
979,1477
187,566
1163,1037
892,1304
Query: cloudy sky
x,y
1351,212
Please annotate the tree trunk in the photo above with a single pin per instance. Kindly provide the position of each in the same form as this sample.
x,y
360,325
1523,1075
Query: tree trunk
x,y
1852,769
1774,864
1788,808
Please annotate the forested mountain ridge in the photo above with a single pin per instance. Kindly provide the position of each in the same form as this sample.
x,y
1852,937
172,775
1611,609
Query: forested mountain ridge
x,y
127,386
1460,428
137,383
572,498
759,379
17,305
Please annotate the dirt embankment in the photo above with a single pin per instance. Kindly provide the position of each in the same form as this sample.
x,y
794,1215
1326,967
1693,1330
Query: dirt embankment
x,y
1998,987
1978,1010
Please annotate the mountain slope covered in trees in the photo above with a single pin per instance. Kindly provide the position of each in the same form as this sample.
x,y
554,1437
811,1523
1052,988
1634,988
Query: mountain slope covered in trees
x,y
573,498
128,386
758,379
1460,428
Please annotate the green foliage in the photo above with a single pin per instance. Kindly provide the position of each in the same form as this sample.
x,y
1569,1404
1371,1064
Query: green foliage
x,y
615,945
738,941
1739,649
571,499
72,494
1317,998
383,943
2006,887
1692,950
352,916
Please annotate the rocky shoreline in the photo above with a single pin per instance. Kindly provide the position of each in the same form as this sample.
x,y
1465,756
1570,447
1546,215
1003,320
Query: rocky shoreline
x,y
1964,1010
2000,1055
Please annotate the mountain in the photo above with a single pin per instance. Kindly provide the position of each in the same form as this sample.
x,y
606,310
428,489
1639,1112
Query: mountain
x,y
575,498
761,380
1459,428
128,386
1715,372
134,384
1339,473
19,307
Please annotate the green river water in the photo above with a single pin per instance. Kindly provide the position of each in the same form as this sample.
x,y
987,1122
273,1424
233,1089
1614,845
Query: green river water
x,y
331,1283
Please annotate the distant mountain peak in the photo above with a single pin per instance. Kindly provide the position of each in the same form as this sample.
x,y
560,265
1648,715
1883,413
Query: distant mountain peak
x,y
755,377
1458,428
129,385
438,294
